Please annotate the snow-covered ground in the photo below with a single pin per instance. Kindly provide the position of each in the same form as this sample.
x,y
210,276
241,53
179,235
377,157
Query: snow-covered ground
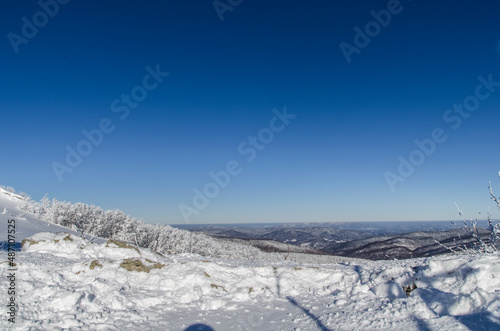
x,y
66,283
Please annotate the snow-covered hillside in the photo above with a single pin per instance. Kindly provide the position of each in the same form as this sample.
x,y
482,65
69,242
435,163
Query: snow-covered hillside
x,y
64,282
26,224
114,224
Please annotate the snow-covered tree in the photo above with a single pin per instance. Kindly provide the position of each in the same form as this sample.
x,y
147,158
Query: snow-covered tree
x,y
92,221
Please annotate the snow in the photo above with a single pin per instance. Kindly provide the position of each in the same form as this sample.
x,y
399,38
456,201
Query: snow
x,y
26,224
65,282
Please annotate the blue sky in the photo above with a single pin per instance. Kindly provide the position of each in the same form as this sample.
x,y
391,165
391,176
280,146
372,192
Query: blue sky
x,y
329,163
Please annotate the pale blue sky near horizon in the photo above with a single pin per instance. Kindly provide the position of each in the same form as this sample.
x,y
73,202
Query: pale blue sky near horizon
x,y
353,120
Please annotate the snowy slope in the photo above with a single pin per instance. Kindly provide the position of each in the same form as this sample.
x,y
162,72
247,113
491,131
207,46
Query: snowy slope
x,y
66,283
26,224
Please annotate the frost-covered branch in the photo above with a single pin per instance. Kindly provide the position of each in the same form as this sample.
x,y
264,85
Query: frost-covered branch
x,y
479,245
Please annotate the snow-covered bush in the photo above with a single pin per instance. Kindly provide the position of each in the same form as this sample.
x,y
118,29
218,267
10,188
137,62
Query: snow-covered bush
x,y
494,227
480,243
92,221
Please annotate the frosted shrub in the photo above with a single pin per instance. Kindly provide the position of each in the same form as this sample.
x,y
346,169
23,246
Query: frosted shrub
x,y
480,244
494,227
91,221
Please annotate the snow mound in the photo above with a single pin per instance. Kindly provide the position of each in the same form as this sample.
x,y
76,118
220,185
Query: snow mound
x,y
11,196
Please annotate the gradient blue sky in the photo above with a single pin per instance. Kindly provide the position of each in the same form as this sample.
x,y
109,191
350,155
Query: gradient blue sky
x,y
353,120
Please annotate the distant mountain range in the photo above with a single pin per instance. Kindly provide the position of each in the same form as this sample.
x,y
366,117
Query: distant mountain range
x,y
375,241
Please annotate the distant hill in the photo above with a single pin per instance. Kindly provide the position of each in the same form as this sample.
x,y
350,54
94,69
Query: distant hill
x,y
375,241
404,246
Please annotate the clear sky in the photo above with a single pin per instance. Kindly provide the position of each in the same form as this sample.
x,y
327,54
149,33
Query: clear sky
x,y
359,88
